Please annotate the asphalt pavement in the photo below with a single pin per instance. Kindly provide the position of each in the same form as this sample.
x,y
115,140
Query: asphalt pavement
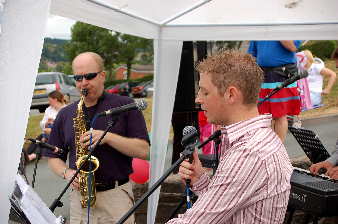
x,y
49,186
326,129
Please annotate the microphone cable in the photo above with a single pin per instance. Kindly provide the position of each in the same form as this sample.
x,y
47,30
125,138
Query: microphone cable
x,y
89,178
188,191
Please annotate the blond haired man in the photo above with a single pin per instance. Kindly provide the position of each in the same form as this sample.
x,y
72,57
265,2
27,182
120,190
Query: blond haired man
x,y
252,181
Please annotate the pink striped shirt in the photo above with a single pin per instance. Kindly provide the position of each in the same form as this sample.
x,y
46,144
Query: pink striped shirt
x,y
252,182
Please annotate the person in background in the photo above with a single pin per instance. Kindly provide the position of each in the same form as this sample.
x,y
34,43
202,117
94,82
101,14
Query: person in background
x,y
56,102
206,129
329,166
278,61
304,62
252,181
311,88
317,71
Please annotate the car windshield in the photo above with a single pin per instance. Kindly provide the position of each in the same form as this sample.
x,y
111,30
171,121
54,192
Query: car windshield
x,y
45,79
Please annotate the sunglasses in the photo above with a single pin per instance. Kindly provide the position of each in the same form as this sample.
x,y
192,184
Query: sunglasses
x,y
88,76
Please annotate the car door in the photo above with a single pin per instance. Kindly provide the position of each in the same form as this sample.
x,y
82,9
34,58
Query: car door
x,y
69,89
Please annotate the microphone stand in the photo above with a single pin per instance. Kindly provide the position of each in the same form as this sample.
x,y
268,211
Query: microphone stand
x,y
15,208
287,82
273,92
215,163
187,152
38,157
57,202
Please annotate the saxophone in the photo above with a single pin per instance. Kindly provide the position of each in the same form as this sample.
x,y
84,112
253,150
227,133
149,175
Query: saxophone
x,y
81,154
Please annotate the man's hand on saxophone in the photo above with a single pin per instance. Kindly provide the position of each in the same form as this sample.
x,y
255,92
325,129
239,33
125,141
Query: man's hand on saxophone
x,y
96,135
129,146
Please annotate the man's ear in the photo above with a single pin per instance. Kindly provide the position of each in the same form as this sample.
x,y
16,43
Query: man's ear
x,y
103,74
231,94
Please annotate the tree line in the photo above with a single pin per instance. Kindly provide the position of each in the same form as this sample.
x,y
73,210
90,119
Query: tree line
x,y
116,48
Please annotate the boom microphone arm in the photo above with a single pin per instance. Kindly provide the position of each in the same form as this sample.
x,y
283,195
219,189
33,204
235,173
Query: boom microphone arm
x,y
284,84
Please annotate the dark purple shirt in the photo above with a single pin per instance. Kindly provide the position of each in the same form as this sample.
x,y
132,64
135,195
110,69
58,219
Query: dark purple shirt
x,y
113,164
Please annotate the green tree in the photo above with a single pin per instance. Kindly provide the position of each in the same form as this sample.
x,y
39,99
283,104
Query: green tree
x,y
132,46
228,45
85,37
64,67
43,66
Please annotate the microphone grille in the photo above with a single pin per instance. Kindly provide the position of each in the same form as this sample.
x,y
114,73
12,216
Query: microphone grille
x,y
189,130
141,104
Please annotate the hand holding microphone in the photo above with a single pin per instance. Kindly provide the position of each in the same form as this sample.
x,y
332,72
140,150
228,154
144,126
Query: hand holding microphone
x,y
191,169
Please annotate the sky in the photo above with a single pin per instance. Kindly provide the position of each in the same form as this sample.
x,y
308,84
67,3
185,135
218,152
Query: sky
x,y
59,27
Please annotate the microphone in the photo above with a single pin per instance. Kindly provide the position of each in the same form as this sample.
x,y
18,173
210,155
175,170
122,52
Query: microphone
x,y
137,105
293,79
189,140
190,136
46,145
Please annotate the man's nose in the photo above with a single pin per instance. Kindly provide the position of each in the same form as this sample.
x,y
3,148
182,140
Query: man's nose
x,y
84,81
198,100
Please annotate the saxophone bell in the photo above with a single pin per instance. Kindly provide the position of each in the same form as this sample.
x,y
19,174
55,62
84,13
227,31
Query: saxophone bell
x,y
87,179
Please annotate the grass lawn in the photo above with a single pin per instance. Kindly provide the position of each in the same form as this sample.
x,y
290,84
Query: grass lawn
x,y
33,127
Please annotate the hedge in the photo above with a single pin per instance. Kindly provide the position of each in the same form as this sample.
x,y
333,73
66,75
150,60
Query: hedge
x,y
322,49
113,82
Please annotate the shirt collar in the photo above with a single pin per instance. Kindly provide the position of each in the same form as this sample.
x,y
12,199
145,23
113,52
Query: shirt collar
x,y
234,131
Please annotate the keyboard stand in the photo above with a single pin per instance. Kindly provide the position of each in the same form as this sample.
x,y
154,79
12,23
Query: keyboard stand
x,y
290,216
306,220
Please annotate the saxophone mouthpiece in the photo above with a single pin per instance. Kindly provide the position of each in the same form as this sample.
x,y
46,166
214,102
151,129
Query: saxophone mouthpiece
x,y
84,92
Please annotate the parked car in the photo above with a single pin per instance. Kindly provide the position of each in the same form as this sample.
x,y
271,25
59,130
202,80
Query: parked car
x,y
141,90
47,82
150,89
113,89
123,89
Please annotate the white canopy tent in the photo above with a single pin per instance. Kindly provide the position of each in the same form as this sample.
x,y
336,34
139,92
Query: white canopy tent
x,y
168,23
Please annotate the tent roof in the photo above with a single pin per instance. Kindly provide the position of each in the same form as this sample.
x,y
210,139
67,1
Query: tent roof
x,y
186,20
